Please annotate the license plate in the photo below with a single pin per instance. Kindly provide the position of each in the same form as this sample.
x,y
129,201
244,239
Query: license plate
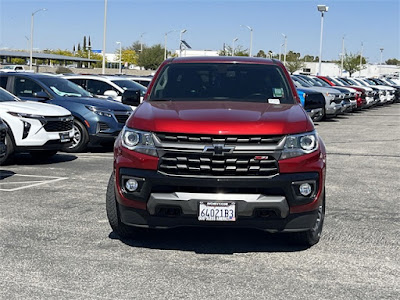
x,y
64,137
217,211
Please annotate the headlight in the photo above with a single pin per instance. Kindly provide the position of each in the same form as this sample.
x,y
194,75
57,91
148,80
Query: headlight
x,y
300,144
99,111
22,115
139,141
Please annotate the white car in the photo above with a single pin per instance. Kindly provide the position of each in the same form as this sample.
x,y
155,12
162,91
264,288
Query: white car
x,y
109,87
386,93
143,80
39,128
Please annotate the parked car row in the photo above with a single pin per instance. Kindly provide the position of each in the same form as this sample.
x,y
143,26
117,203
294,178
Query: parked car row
x,y
343,95
47,113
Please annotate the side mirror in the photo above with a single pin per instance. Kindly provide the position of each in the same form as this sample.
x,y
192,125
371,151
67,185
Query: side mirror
x,y
41,95
112,94
131,97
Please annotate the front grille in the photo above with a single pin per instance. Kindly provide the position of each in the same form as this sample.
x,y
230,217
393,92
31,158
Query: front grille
x,y
316,100
61,124
121,118
203,164
220,139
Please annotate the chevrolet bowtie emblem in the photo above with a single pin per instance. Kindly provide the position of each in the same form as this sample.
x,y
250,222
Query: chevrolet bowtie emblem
x,y
218,149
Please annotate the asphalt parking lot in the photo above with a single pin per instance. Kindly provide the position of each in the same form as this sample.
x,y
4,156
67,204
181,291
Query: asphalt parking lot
x,y
56,242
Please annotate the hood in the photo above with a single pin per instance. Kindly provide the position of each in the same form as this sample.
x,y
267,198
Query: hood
x,y
34,108
100,103
220,117
307,90
324,90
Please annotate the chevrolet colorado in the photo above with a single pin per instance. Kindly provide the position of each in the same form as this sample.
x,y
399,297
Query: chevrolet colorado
x,y
219,142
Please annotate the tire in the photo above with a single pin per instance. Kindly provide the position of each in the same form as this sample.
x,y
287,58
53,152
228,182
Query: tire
x,y
79,140
9,151
121,229
311,237
43,154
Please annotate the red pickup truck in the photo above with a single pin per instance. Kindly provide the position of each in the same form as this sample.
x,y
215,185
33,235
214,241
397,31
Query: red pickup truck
x,y
219,142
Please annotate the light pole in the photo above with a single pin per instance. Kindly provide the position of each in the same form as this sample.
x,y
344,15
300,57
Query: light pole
x,y
120,57
284,55
165,43
104,38
180,42
31,48
342,58
361,56
233,46
251,37
322,9
141,42
381,49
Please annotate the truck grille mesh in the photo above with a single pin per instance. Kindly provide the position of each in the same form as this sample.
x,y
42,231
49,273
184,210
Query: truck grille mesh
x,y
195,138
202,164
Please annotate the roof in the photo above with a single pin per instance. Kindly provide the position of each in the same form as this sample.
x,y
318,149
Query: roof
x,y
41,55
224,59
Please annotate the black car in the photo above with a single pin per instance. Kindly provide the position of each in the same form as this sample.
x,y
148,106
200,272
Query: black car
x,y
96,121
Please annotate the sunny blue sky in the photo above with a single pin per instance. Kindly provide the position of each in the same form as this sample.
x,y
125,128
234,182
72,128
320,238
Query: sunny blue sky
x,y
209,24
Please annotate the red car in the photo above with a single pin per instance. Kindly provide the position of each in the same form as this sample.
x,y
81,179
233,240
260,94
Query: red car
x,y
219,142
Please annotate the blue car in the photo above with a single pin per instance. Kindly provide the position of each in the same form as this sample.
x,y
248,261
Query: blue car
x,y
313,103
96,121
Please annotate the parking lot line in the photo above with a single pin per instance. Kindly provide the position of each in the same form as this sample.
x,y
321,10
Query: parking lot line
x,y
30,183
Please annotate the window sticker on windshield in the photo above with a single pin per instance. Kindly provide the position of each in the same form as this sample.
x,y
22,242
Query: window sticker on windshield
x,y
274,101
278,92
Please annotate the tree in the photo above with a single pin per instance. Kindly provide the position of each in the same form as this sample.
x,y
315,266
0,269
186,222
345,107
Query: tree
x,y
294,65
393,61
136,46
84,43
261,53
128,56
151,57
351,63
79,46
308,58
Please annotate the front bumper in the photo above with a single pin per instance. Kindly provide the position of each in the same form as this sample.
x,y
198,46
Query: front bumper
x,y
163,201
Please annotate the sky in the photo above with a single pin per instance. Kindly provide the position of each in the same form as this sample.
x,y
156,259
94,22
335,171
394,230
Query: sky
x,y
209,24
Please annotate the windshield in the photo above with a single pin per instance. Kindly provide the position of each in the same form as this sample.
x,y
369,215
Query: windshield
x,y
369,81
310,80
321,82
65,88
129,84
6,96
360,82
336,82
222,82
301,82
342,81
7,67
390,81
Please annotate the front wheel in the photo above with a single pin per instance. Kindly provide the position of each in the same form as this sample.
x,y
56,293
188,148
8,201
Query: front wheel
x,y
311,237
123,230
9,149
79,140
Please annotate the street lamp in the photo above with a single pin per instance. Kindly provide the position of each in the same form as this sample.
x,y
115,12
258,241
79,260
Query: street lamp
x,y
233,46
165,43
120,57
251,37
141,42
322,9
361,55
180,42
285,43
31,50
104,38
342,57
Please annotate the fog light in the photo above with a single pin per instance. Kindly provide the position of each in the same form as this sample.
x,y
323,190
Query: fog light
x,y
131,185
305,189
